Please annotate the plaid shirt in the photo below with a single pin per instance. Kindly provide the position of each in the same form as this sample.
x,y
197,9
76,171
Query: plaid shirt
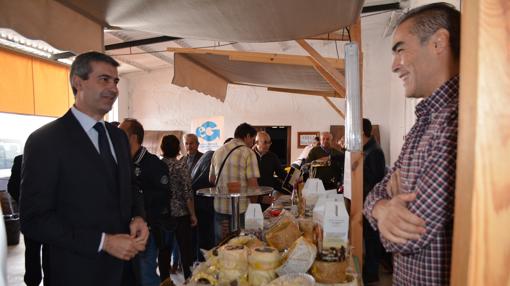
x,y
427,167
240,166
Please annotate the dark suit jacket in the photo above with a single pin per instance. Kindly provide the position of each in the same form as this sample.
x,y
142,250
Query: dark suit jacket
x,y
195,159
67,203
15,178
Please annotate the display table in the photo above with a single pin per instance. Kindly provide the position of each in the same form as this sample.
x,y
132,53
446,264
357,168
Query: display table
x,y
219,192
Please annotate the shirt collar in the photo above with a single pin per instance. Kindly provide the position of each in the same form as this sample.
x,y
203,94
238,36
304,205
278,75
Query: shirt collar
x,y
86,121
237,141
439,98
139,154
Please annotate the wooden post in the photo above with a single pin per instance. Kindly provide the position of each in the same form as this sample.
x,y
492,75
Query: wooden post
x,y
481,240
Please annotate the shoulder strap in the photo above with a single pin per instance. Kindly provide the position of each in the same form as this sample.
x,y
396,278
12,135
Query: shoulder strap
x,y
223,163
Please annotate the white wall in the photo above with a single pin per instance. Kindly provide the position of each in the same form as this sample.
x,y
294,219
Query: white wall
x,y
159,105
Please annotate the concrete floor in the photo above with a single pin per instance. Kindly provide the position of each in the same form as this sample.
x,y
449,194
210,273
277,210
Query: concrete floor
x,y
16,268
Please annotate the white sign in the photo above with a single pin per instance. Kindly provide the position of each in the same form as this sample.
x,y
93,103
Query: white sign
x,y
209,132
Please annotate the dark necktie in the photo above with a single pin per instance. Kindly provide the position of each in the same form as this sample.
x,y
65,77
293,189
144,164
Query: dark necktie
x,y
105,151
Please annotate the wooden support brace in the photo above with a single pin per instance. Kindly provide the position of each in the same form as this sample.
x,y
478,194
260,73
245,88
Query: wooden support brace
x,y
332,104
330,74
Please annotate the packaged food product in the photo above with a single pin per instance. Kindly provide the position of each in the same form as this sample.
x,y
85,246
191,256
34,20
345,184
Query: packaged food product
x,y
299,258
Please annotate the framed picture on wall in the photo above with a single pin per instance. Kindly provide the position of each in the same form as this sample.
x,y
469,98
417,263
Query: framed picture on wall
x,y
306,138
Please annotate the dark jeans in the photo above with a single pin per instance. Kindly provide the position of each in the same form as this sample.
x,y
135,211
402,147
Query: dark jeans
x,y
373,252
33,273
182,233
204,233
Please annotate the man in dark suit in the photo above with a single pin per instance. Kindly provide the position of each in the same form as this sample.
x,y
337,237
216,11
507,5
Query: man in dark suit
x,y
33,274
77,192
192,154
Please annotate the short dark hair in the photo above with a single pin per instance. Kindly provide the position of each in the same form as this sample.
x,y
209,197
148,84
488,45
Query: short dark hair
x,y
317,138
244,130
136,128
429,18
81,65
367,127
170,146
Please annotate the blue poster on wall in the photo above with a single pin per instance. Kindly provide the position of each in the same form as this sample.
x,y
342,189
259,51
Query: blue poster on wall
x,y
209,132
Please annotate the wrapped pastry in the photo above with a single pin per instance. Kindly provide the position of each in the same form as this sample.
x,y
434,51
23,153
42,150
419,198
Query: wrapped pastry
x,y
330,266
249,241
227,275
294,279
264,258
329,272
299,258
206,274
262,262
283,234
233,262
260,277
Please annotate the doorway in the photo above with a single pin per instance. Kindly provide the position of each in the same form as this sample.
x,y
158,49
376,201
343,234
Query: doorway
x,y
280,138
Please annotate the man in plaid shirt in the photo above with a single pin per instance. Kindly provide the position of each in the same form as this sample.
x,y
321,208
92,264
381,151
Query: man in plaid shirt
x,y
413,206
241,166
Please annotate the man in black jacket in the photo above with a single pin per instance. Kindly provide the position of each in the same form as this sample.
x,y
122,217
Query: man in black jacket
x,y
269,166
152,178
203,234
374,169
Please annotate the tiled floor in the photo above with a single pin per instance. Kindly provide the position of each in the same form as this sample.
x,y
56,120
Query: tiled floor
x,y
16,268
16,264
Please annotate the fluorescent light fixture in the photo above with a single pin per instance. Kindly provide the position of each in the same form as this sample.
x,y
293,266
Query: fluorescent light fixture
x,y
353,141
10,38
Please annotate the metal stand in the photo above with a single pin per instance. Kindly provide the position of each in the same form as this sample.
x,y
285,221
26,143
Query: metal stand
x,y
235,218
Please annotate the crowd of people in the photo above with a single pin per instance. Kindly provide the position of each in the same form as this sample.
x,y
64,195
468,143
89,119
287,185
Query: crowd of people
x,y
108,212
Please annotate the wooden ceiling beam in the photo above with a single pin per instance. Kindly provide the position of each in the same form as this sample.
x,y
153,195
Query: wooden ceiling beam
x,y
268,58
306,92
335,36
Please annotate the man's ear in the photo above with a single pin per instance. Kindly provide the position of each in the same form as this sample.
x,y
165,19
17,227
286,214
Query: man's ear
x,y
77,82
441,40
